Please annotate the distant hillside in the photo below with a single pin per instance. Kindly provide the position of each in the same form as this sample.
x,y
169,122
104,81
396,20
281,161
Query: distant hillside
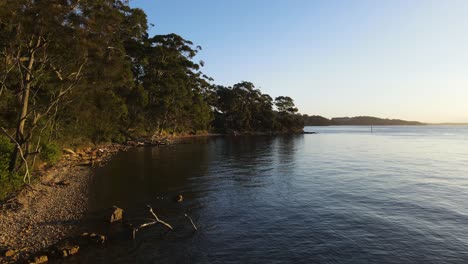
x,y
449,124
355,121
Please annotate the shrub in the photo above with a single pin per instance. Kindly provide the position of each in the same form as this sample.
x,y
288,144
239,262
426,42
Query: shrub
x,y
119,138
50,153
6,147
8,182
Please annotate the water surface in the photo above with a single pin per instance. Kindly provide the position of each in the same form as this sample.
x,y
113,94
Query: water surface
x,y
345,195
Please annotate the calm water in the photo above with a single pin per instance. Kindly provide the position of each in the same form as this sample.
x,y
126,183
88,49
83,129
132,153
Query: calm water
x,y
345,195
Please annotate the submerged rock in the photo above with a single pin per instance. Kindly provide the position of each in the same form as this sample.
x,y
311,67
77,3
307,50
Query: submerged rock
x,y
117,214
97,238
101,239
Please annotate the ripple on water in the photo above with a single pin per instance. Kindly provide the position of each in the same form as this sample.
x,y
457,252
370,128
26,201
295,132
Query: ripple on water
x,y
341,196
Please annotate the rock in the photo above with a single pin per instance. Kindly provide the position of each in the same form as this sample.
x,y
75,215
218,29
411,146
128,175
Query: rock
x,y
95,237
117,215
73,158
40,259
69,151
102,239
69,251
63,183
10,253
74,250
85,163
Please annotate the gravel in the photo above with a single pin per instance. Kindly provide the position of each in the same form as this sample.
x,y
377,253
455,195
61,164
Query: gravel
x,y
48,212
51,210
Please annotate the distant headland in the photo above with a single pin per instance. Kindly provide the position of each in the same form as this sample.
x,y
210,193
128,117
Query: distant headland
x,y
316,120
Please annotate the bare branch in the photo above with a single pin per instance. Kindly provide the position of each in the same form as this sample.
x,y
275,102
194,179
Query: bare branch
x,y
159,220
151,223
191,221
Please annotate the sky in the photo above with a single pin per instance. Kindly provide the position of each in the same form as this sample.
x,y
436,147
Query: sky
x,y
391,59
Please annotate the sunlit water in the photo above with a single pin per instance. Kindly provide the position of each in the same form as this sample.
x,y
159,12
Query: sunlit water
x,y
344,195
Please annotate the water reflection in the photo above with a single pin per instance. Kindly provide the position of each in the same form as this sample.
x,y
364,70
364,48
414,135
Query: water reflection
x,y
327,198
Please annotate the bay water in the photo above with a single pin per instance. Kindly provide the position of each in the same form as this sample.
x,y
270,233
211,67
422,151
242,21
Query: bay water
x,y
348,194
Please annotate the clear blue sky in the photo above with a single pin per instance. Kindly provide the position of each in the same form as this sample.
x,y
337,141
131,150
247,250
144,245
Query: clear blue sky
x,y
395,58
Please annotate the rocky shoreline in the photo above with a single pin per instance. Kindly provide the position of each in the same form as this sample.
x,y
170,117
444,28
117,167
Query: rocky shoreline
x,y
44,215
41,215
50,211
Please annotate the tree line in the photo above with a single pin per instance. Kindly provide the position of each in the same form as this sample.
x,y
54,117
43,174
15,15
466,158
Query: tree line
x,y
79,71
316,120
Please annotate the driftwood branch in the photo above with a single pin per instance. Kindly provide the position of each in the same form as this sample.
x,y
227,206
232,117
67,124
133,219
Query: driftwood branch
x,y
136,229
191,221
151,223
159,220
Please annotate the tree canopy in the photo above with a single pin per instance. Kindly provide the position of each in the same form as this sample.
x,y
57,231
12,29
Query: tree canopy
x,y
81,71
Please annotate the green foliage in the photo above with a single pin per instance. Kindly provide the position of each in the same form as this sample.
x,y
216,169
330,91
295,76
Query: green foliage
x,y
287,118
242,108
86,70
8,181
6,147
176,88
9,185
285,105
50,152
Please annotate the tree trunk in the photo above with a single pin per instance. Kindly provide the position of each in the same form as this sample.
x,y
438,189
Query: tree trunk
x,y
24,107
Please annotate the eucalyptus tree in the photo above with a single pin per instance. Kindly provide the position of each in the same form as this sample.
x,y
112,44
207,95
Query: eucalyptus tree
x,y
42,62
100,110
175,85
288,120
243,108
285,104
65,70
86,70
